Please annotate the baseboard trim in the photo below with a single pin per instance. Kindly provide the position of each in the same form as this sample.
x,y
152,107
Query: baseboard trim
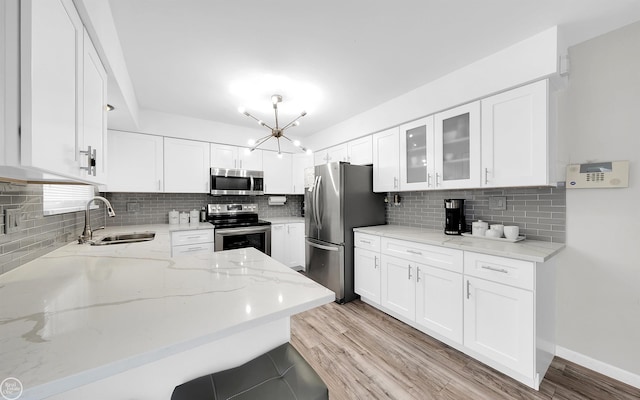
x,y
606,369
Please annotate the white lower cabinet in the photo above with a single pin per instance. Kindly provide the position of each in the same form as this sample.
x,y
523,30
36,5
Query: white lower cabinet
x,y
498,322
367,274
287,244
194,241
398,286
498,310
438,301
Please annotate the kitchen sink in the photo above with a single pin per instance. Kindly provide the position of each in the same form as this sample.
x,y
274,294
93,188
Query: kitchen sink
x,y
125,238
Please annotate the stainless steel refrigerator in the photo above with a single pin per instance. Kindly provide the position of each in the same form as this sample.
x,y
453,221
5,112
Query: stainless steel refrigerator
x,y
340,199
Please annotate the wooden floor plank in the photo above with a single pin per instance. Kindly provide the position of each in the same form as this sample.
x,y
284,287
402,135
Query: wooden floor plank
x,y
363,353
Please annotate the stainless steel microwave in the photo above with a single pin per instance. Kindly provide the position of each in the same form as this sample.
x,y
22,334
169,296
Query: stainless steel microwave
x,y
236,182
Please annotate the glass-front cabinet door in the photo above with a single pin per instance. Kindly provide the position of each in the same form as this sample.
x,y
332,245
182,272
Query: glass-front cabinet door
x,y
457,147
416,155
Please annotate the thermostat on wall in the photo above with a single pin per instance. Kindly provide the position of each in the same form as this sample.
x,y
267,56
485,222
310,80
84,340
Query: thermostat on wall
x,y
612,174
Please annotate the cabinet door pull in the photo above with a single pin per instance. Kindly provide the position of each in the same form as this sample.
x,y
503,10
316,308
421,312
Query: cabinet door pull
x,y
486,176
375,262
428,180
365,241
437,179
159,184
91,161
468,289
409,272
417,253
240,164
395,182
502,270
417,274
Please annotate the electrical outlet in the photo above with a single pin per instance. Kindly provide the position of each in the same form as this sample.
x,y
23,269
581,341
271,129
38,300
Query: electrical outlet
x,y
12,220
497,202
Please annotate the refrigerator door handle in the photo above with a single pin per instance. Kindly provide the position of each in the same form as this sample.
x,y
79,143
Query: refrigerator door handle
x,y
323,247
316,202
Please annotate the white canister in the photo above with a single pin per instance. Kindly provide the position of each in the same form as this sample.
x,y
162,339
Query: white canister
x,y
499,228
184,218
174,218
479,228
511,232
194,216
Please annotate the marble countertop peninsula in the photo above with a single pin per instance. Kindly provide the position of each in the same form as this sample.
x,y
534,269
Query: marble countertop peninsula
x,y
527,250
82,313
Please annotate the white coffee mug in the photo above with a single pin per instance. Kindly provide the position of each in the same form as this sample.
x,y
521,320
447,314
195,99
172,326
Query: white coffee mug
x,y
511,232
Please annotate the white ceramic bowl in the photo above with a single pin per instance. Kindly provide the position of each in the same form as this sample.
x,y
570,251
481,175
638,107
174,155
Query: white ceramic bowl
x,y
492,233
511,232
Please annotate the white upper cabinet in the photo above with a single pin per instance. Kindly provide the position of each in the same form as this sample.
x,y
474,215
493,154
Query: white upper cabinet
x,y
417,155
63,95
277,172
357,151
457,147
386,163
51,73
514,137
332,154
300,163
233,157
135,162
94,115
186,166
360,151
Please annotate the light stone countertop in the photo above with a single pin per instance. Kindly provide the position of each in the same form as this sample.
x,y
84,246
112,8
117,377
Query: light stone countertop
x,y
528,250
82,313
284,220
181,227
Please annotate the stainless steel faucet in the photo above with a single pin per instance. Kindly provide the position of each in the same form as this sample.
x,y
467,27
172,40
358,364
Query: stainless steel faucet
x,y
87,234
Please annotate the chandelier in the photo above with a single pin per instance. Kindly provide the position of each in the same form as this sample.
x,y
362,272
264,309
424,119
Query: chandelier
x,y
277,132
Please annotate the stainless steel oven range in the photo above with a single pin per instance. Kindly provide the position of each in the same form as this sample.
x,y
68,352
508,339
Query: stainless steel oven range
x,y
238,226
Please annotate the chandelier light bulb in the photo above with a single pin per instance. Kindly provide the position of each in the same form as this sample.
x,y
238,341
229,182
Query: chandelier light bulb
x,y
279,155
242,110
296,123
296,143
309,152
252,142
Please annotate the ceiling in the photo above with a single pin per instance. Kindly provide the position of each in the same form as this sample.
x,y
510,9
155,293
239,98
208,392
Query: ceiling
x,y
332,58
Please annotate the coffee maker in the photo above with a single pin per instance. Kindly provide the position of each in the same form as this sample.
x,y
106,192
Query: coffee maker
x,y
454,216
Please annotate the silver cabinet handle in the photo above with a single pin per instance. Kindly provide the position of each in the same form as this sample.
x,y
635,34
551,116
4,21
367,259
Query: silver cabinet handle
x,y
240,164
409,272
159,184
91,160
417,274
428,180
395,182
468,289
494,269
437,179
365,241
414,252
375,262
486,176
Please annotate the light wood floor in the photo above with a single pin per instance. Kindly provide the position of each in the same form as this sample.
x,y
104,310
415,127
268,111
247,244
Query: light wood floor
x,y
362,353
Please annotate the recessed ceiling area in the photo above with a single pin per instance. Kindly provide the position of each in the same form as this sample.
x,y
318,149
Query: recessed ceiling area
x,y
334,59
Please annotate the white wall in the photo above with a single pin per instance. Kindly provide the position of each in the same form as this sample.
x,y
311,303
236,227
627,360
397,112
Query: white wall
x,y
529,60
598,311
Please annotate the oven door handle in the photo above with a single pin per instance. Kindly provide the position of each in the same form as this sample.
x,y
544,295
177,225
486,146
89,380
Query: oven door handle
x,y
235,231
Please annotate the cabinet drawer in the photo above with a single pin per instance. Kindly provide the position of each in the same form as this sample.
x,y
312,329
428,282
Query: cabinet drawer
x,y
366,241
192,249
179,238
435,256
509,271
